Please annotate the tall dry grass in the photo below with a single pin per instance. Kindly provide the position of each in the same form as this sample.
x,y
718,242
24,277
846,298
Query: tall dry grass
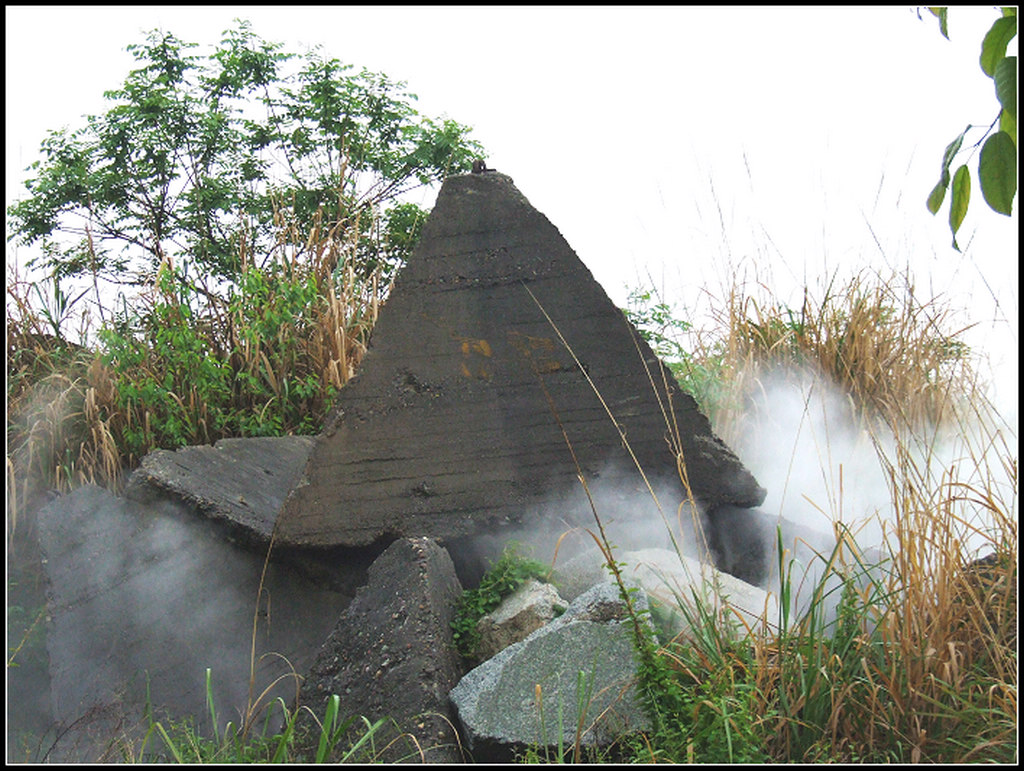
x,y
56,435
919,661
895,357
919,664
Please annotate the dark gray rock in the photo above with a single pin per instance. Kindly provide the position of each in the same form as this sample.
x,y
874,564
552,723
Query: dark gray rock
x,y
391,655
454,425
582,658
241,481
742,543
145,598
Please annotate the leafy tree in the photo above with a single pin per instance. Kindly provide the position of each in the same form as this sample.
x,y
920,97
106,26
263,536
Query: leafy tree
x,y
997,163
255,194
197,153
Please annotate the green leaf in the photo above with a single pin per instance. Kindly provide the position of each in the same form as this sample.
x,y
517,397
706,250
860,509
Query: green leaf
x,y
938,193
993,47
1006,84
952,149
960,199
941,13
1008,124
997,172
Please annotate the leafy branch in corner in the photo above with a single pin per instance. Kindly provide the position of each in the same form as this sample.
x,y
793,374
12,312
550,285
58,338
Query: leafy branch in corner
x,y
997,164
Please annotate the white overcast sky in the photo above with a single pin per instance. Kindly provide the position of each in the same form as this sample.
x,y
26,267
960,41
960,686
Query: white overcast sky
x,y
683,144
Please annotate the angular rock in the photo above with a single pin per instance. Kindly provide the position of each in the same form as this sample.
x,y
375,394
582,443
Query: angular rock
x,y
601,604
742,543
458,421
530,693
670,579
145,598
391,655
241,481
517,617
667,579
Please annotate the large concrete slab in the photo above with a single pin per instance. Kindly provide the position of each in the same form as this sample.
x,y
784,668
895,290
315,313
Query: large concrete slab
x,y
241,481
459,419
145,598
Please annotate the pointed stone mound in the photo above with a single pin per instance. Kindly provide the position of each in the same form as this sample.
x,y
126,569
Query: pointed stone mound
x,y
458,422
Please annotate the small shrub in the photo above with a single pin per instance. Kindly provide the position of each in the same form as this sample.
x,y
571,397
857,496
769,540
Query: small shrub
x,y
242,367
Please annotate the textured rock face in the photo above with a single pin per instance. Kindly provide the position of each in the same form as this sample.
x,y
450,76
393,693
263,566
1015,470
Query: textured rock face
x,y
530,694
459,419
517,617
742,543
391,655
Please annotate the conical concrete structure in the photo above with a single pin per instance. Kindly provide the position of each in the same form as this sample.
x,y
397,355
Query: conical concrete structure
x,y
461,418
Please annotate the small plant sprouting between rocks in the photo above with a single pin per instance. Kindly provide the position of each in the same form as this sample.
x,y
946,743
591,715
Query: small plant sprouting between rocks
x,y
502,579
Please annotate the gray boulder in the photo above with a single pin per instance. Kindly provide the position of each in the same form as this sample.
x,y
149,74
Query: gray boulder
x,y
574,676
673,580
391,655
669,580
517,617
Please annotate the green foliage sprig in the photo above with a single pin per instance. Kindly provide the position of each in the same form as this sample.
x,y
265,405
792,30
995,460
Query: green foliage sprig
x,y
243,368
503,578
655,320
997,163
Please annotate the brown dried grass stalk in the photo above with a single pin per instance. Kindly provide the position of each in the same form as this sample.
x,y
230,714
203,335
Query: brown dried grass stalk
x,y
57,436
891,353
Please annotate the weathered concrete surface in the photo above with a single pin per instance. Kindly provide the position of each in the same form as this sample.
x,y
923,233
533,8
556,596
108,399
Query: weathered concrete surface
x,y
454,425
149,597
498,702
241,481
391,655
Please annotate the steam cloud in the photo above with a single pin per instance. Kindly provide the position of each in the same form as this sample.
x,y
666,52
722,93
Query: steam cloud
x,y
820,465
